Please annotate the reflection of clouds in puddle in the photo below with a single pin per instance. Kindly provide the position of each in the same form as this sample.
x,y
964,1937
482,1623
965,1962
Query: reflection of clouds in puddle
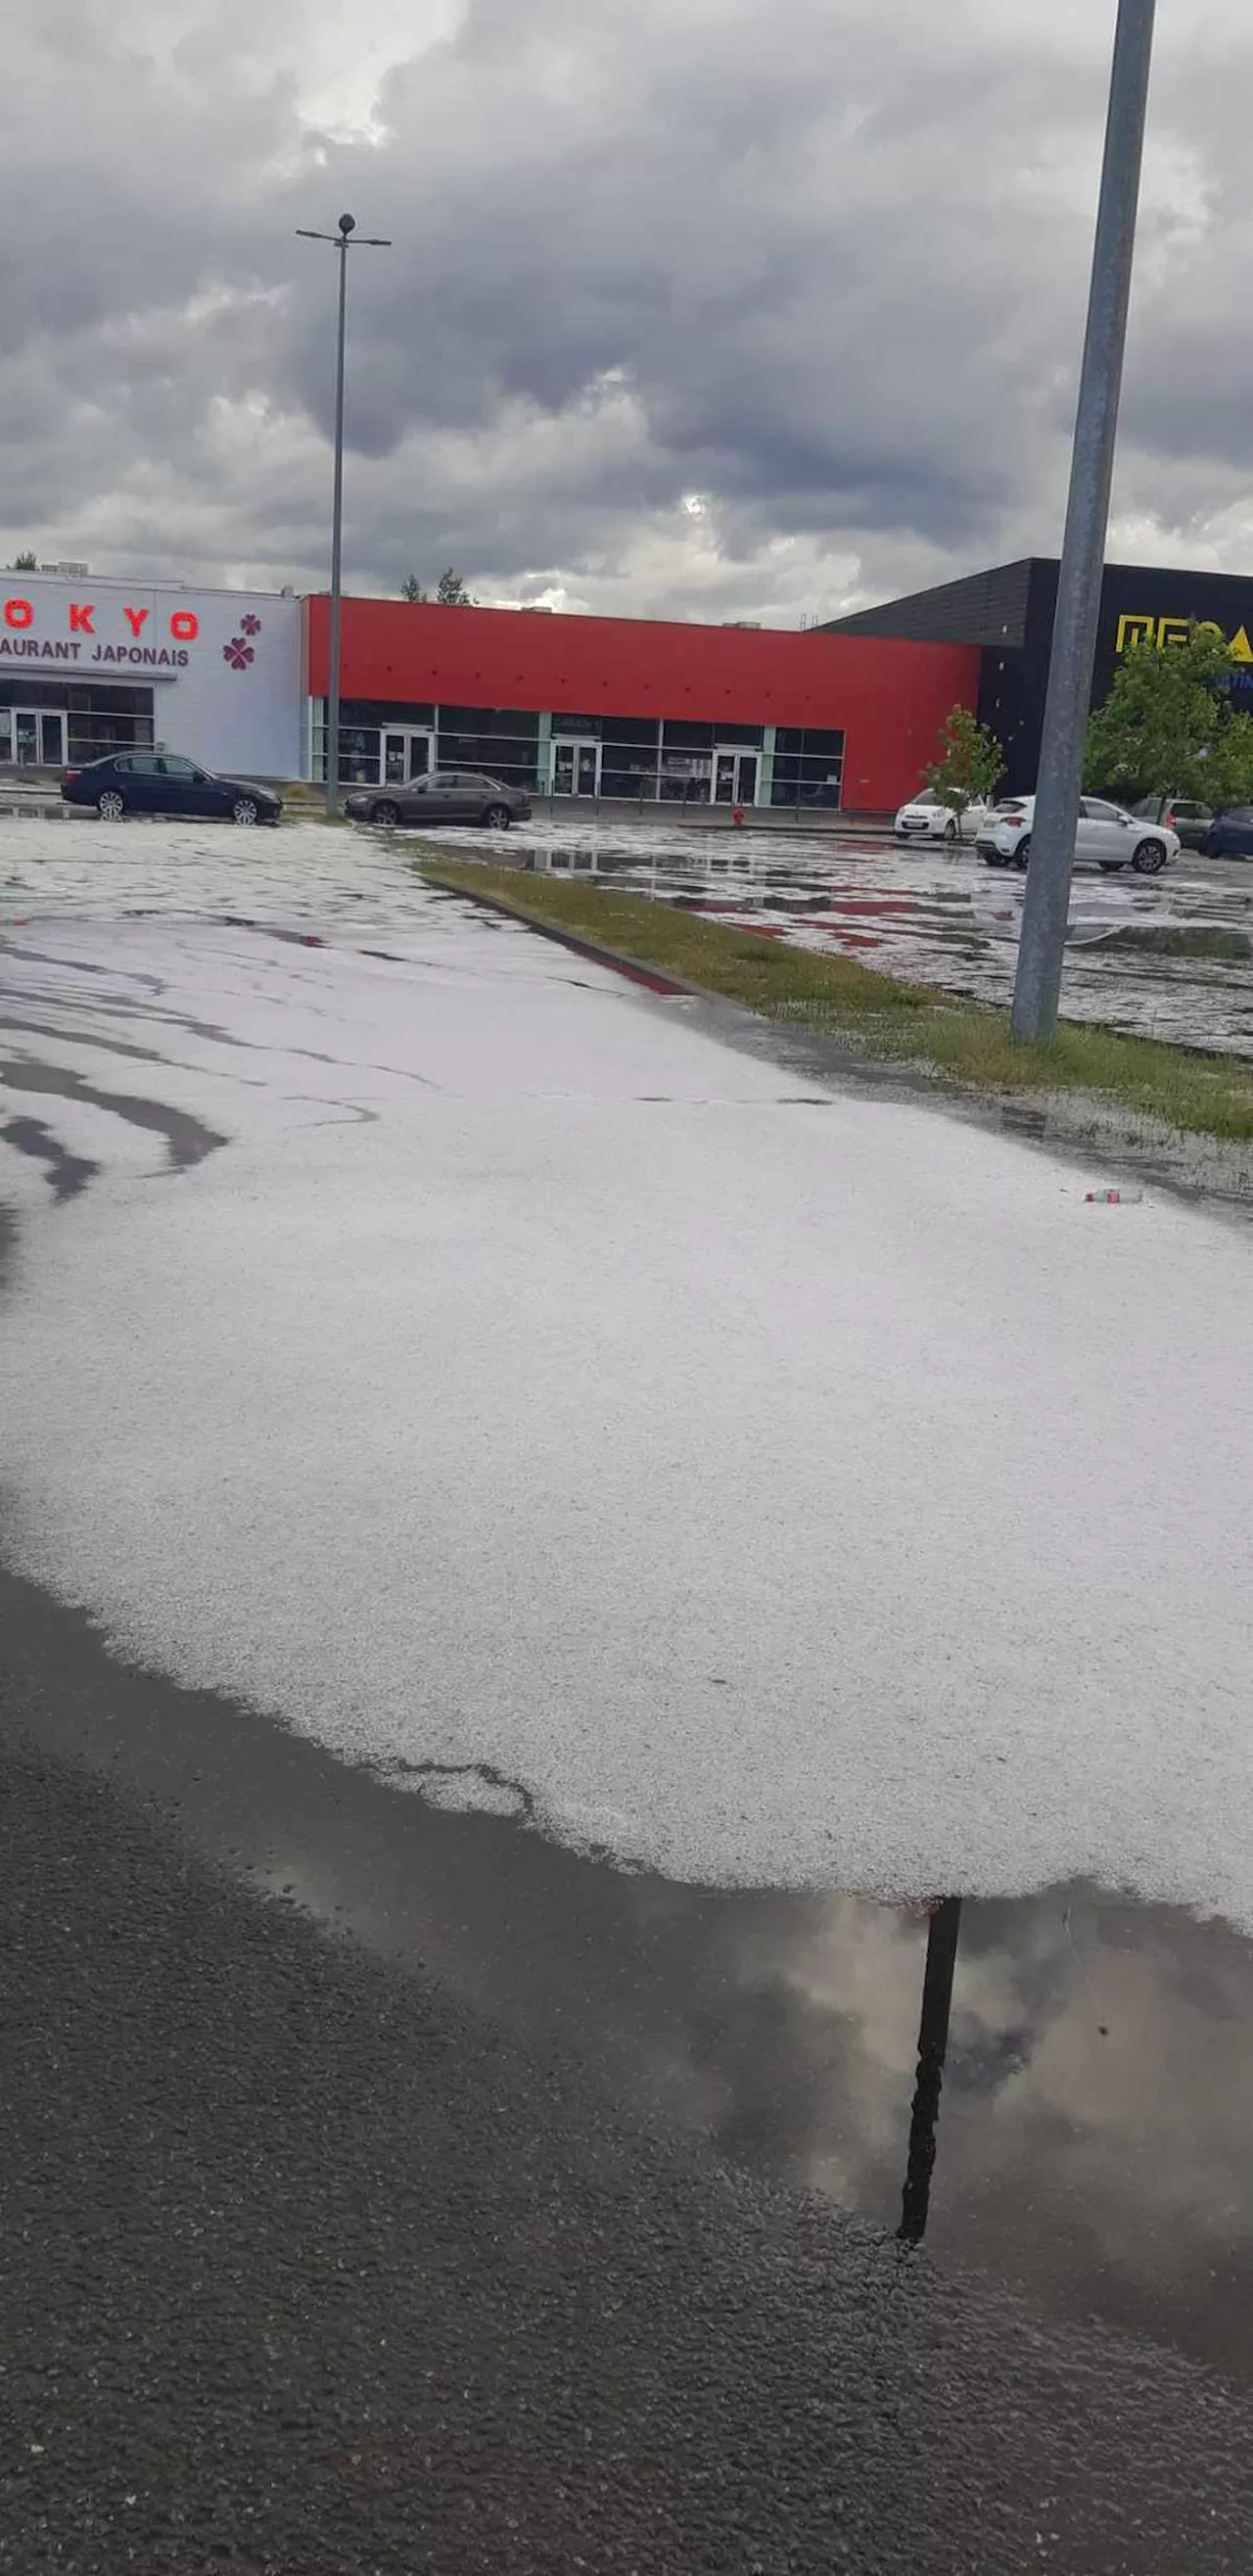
x,y
1097,2098
1139,2076
1099,2077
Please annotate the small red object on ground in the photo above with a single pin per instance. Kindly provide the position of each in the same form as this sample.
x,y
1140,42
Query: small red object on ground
x,y
738,815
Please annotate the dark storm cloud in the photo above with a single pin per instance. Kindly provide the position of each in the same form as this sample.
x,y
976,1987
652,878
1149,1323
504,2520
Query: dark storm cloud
x,y
823,266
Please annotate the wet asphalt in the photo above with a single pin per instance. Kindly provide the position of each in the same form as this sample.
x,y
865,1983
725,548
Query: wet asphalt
x,y
320,2259
385,2188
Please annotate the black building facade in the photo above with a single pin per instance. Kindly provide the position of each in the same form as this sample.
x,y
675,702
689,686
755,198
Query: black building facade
x,y
1009,611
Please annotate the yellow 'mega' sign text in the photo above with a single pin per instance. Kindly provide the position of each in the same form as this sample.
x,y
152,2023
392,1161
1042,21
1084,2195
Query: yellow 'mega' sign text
x,y
1164,631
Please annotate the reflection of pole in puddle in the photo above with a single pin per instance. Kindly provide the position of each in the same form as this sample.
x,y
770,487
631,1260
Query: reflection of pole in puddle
x,y
933,2027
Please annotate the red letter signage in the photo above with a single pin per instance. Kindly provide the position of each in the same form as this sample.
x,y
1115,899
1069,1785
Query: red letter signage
x,y
80,619
18,612
135,618
184,626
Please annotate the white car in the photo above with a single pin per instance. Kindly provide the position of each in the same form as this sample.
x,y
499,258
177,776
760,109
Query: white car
x,y
1107,837
926,819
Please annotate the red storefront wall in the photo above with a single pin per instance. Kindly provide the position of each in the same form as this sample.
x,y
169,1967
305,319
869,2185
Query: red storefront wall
x,y
890,699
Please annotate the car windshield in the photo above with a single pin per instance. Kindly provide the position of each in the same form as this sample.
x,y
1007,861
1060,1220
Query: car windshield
x,y
924,797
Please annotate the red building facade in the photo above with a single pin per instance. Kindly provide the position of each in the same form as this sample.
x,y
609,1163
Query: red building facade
x,y
633,709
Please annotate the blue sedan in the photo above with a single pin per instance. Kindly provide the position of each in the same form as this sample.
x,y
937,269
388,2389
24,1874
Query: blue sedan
x,y
1231,834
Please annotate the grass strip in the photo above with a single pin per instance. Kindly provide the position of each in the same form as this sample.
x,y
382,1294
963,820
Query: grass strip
x,y
967,1043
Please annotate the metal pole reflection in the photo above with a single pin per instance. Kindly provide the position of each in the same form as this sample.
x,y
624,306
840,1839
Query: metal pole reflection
x,y
933,2028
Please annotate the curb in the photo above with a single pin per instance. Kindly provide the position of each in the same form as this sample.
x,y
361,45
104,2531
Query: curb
x,y
634,968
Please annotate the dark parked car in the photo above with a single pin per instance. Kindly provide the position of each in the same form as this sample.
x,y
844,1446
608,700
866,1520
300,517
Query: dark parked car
x,y
1180,814
1230,835
162,782
446,796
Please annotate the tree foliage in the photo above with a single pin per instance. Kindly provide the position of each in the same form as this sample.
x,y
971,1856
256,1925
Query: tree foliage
x,y
449,592
1169,726
970,765
25,562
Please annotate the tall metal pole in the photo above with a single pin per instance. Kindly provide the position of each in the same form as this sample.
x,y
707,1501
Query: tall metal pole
x,y
1059,779
346,227
342,241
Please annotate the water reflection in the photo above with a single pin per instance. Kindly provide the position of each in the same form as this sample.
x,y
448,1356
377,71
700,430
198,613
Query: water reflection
x,y
941,917
1057,2086
933,2036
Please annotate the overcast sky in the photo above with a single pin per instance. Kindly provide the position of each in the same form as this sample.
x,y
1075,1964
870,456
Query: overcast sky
x,y
696,307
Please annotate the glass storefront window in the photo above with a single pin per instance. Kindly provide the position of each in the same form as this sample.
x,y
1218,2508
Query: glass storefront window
x,y
808,767
677,734
44,723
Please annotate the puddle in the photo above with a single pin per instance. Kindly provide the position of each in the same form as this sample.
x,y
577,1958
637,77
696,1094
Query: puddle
x,y
1171,958
1080,2121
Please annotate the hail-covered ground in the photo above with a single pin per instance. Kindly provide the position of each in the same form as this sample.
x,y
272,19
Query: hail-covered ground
x,y
429,1338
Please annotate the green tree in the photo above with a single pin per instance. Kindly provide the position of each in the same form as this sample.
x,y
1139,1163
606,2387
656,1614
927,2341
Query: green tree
x,y
26,562
970,765
1169,726
452,592
412,590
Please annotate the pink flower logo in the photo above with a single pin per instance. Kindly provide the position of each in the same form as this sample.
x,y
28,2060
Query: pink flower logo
x,y
237,653
250,625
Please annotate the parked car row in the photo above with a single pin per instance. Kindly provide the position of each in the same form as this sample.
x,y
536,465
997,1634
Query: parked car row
x,y
163,782
1145,836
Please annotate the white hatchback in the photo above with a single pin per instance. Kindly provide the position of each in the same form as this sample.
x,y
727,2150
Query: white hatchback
x,y
1107,837
926,819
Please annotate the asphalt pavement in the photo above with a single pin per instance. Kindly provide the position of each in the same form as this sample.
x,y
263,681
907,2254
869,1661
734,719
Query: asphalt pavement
x,y
310,2270
400,2170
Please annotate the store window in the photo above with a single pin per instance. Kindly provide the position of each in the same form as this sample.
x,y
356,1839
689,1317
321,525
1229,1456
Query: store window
x,y
45,723
364,723
499,742
808,767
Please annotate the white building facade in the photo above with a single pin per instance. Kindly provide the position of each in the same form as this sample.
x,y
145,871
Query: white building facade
x,y
89,666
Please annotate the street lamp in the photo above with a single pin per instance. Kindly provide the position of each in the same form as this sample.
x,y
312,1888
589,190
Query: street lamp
x,y
343,241
1059,779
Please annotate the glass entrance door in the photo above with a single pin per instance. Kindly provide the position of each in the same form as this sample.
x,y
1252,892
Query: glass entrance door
x,y
33,737
404,754
735,778
576,768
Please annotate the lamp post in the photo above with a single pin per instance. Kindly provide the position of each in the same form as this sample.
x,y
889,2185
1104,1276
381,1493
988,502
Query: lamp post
x,y
1038,984
345,239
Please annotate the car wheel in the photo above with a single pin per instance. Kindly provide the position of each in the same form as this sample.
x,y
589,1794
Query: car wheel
x,y
111,806
993,859
498,818
385,812
1023,852
1148,859
245,810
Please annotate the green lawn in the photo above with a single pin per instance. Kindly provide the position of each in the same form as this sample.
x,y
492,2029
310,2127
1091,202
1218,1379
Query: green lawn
x,y
967,1043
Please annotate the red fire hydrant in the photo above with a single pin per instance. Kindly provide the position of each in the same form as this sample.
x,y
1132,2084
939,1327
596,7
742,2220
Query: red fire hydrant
x,y
738,815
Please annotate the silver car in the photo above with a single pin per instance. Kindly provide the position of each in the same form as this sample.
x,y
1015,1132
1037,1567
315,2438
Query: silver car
x,y
445,796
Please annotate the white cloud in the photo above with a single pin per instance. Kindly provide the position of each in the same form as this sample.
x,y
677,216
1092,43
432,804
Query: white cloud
x,y
825,275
